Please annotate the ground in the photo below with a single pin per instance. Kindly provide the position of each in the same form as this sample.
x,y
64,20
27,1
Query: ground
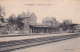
x,y
70,45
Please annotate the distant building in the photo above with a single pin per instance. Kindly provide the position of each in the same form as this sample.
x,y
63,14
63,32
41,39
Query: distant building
x,y
29,19
51,22
3,29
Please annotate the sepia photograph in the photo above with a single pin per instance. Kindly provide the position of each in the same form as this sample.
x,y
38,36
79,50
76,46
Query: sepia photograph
x,y
39,25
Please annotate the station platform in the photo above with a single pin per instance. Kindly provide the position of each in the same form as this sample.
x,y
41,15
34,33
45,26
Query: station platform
x,y
21,37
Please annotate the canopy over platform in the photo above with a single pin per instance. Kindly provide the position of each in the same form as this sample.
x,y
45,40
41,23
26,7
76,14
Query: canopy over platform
x,y
42,29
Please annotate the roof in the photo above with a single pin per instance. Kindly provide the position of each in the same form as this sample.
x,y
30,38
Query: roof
x,y
26,15
49,19
42,26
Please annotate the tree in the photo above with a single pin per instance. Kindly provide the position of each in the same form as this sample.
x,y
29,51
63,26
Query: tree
x,y
2,13
67,22
66,25
11,22
2,20
19,23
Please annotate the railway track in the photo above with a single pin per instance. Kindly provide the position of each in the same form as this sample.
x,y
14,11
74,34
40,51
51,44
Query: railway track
x,y
20,44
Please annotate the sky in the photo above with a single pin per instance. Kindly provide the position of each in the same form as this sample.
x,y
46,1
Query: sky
x,y
60,9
